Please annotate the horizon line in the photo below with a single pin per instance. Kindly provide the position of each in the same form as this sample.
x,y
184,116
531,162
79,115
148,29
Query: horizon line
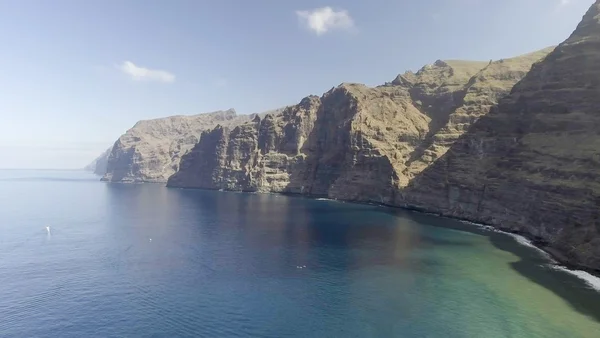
x,y
47,169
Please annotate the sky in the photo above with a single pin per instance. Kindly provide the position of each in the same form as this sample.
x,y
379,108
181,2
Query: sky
x,y
75,75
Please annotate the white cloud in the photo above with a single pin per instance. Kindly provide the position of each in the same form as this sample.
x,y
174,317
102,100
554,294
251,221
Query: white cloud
x,y
145,74
322,20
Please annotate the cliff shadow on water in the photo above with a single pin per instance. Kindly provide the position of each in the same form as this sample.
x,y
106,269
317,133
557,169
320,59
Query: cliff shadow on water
x,y
585,300
486,195
533,264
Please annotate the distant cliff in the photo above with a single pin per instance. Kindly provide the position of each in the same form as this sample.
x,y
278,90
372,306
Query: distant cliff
x,y
98,165
150,151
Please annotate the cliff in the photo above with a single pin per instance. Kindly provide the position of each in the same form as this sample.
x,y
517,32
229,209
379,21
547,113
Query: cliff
x,y
354,142
498,142
98,165
150,151
532,164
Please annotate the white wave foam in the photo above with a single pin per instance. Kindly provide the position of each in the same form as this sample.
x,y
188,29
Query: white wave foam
x,y
523,241
591,280
526,242
520,239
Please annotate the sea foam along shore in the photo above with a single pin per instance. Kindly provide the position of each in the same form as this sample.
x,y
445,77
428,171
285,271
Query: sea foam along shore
x,y
591,280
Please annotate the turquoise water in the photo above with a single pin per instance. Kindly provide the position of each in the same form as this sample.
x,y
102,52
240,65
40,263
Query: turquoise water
x,y
146,260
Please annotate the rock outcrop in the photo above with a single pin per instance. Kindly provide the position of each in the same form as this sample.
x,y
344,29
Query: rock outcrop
x,y
98,165
150,151
498,142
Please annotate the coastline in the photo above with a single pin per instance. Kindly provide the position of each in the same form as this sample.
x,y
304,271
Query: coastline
x,y
556,261
553,256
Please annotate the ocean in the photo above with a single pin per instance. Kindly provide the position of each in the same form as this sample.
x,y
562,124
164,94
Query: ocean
x,y
84,258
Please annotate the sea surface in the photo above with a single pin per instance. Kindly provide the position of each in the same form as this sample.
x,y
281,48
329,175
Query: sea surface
x,y
149,261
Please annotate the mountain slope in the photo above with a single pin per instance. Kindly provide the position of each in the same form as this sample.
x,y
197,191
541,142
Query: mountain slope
x,y
533,163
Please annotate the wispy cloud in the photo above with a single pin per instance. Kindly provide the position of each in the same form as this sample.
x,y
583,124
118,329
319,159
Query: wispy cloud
x,y
325,19
565,2
146,74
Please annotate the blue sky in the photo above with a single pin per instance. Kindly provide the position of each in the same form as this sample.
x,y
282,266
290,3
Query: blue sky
x,y
74,75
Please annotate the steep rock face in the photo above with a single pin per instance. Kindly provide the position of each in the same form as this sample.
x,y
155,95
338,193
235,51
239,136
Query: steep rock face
x,y
98,166
258,155
354,142
456,108
533,163
151,150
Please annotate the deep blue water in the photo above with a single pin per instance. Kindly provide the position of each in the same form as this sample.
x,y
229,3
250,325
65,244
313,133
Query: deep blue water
x,y
149,261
